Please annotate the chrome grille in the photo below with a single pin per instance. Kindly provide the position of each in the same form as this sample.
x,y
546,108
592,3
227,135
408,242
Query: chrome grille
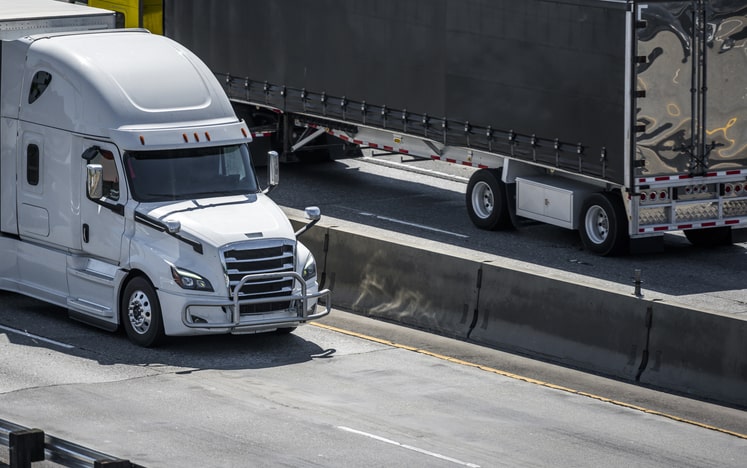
x,y
260,257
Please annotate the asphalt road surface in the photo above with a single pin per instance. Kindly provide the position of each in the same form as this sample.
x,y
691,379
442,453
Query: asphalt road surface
x,y
347,392
357,392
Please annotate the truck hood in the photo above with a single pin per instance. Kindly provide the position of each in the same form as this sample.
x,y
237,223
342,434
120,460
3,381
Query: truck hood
x,y
223,220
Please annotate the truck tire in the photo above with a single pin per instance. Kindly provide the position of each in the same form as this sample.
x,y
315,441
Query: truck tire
x,y
603,225
141,313
713,237
487,202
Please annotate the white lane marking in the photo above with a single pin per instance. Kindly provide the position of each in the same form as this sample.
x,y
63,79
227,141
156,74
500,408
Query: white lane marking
x,y
36,337
408,447
419,226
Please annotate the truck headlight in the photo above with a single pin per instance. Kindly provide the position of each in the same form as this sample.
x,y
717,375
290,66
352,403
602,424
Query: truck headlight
x,y
189,280
309,268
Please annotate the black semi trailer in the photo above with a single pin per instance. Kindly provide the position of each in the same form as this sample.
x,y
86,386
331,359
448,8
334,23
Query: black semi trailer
x,y
622,119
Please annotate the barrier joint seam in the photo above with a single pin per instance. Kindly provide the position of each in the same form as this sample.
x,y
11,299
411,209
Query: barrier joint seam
x,y
645,353
476,311
325,250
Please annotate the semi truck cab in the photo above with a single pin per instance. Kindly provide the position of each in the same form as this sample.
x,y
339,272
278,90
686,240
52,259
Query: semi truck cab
x,y
129,197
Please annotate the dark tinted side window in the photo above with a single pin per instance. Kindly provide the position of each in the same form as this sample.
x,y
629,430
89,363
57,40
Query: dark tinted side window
x,y
32,165
38,85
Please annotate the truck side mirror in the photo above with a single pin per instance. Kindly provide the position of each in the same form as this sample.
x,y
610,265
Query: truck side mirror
x,y
314,214
273,171
95,181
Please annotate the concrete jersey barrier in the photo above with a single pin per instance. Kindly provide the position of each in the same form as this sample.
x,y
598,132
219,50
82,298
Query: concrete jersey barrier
x,y
580,326
493,301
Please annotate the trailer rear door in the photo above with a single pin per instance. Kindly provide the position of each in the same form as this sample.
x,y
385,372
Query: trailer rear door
x,y
691,87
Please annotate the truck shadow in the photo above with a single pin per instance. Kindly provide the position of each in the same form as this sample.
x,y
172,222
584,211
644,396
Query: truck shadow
x,y
29,322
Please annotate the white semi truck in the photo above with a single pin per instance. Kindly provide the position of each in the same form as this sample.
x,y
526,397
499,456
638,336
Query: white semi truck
x,y
127,194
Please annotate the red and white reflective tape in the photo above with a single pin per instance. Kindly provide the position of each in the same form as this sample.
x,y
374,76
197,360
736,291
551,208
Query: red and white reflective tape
x,y
463,163
679,227
649,180
261,134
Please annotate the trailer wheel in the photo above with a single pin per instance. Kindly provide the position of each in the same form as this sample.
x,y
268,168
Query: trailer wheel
x,y
487,203
603,225
714,237
141,313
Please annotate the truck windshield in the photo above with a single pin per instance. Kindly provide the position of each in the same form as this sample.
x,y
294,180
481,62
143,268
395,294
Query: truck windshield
x,y
186,174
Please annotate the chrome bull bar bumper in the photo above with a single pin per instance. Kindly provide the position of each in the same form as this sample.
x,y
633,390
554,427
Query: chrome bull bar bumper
x,y
258,323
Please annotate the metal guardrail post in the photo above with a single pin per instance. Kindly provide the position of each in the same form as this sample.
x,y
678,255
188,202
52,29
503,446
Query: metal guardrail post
x,y
637,283
25,446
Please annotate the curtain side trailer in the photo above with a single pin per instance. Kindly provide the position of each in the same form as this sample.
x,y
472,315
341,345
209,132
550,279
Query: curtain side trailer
x,y
622,119
127,194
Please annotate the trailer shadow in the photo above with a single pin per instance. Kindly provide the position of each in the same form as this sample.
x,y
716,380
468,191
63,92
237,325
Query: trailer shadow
x,y
359,192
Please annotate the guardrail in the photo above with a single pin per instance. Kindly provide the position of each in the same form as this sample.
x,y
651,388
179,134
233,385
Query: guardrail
x,y
26,446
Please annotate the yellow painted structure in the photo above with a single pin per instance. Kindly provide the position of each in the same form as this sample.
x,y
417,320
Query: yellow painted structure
x,y
146,14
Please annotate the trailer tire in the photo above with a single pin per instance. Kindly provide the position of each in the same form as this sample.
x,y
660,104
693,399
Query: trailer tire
x,y
487,201
714,237
603,225
141,313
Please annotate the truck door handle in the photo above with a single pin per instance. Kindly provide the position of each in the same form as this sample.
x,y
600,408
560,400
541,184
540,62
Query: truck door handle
x,y
85,233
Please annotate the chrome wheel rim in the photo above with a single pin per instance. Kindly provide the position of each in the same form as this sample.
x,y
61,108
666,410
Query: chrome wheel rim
x,y
483,201
139,312
597,224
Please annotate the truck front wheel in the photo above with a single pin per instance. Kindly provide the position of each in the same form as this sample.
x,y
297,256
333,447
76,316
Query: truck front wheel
x,y
603,225
141,313
487,202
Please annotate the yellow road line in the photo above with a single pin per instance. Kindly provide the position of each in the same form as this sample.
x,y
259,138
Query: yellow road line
x,y
530,380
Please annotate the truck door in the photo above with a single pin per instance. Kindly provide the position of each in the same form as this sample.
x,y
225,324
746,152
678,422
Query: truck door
x,y
91,274
690,95
102,219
